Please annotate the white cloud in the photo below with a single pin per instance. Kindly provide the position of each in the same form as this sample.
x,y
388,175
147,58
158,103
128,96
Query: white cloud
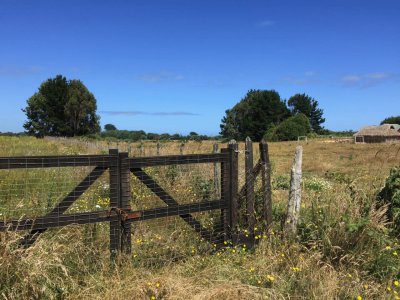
x,y
143,113
162,76
351,79
306,78
378,75
367,80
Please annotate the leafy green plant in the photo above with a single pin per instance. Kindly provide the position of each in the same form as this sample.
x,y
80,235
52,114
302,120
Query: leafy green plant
x,y
390,194
281,182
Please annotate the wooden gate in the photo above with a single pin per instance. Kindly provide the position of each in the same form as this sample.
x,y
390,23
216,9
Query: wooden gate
x,y
119,213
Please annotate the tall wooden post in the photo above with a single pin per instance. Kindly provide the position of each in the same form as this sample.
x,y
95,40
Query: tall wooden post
x,y
234,184
266,182
125,202
216,176
229,189
249,177
115,228
293,210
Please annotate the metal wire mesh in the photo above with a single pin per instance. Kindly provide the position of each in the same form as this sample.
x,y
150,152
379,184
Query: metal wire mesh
x,y
178,200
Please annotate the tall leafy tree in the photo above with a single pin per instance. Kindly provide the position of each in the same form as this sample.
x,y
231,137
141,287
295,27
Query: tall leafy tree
x,y
391,120
61,107
253,115
302,103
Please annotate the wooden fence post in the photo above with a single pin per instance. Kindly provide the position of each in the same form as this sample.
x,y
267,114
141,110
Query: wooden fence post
x,y
158,148
125,202
293,210
234,184
141,148
229,186
251,217
266,182
216,177
115,228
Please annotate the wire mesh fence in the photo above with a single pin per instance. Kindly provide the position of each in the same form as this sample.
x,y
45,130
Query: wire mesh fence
x,y
165,204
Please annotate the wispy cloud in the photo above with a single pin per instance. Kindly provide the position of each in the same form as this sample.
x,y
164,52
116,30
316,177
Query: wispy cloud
x,y
19,70
306,78
162,76
265,23
366,80
143,113
351,79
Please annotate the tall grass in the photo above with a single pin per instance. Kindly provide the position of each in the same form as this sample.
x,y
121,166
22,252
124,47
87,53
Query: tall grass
x,y
344,247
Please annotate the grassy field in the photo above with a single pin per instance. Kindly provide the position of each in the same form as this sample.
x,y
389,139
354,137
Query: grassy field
x,y
344,249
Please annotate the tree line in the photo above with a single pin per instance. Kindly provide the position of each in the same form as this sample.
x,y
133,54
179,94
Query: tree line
x,y
67,108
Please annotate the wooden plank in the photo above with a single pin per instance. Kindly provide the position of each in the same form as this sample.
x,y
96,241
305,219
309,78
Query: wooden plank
x,y
125,204
64,204
225,194
115,225
141,162
249,183
216,175
53,161
266,182
233,185
164,196
108,215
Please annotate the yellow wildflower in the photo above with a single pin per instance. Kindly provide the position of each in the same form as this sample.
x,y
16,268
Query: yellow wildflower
x,y
270,278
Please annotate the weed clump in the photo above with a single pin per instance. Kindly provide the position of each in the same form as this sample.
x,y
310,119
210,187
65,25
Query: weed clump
x,y
390,195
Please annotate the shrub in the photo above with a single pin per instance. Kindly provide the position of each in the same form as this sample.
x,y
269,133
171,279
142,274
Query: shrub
x,y
290,129
390,195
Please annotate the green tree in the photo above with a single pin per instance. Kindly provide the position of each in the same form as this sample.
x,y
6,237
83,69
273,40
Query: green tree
x,y
302,103
253,115
289,129
61,107
109,127
391,120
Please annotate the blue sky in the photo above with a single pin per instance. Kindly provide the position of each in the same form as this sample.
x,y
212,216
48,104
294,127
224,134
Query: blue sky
x,y
176,66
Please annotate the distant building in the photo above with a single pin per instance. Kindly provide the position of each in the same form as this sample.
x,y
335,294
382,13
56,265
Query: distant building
x,y
378,134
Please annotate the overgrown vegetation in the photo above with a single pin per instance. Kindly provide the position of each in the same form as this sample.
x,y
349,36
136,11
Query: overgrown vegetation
x,y
345,248
290,129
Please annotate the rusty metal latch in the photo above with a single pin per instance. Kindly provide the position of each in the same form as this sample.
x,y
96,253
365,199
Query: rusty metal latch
x,y
123,214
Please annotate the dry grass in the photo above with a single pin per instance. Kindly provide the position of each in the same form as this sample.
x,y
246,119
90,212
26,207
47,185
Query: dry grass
x,y
344,249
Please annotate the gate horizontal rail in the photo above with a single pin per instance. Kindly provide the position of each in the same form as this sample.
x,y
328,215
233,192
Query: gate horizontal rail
x,y
108,215
53,161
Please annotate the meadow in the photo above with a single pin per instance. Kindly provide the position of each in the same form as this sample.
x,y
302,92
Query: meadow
x,y
344,248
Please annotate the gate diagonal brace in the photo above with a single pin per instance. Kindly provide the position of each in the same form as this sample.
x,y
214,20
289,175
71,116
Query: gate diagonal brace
x,y
164,196
63,206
